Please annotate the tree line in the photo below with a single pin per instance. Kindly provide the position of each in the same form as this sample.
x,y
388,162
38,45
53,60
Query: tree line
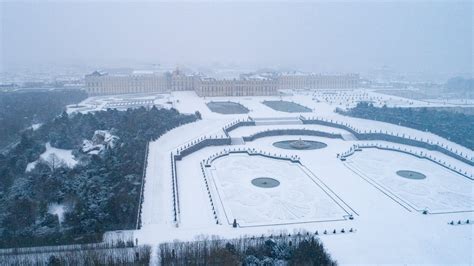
x,y
457,127
20,109
297,249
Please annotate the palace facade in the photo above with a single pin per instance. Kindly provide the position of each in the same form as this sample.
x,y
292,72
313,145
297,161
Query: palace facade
x,y
318,81
254,85
237,87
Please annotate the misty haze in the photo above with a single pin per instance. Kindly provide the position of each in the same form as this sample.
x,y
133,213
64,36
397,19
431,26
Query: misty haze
x,y
236,132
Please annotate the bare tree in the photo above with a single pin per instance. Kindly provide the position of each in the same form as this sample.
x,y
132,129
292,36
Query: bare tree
x,y
54,162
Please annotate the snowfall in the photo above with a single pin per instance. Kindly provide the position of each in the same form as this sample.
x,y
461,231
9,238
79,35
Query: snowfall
x,y
385,210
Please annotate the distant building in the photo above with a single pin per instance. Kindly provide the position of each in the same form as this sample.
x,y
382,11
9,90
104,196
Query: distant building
x,y
237,87
318,81
182,82
247,85
103,83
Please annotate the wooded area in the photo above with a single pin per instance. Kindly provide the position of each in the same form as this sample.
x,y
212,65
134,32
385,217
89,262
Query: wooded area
x,y
100,193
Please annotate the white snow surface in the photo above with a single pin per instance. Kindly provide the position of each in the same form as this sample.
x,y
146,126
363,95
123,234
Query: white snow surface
x,y
441,191
386,232
57,209
298,198
36,126
64,155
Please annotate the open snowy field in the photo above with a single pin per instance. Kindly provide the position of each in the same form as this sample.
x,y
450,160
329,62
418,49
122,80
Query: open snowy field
x,y
437,190
320,194
294,196
61,156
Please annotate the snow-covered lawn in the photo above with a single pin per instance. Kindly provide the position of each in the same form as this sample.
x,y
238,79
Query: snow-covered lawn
x,y
64,156
441,191
298,198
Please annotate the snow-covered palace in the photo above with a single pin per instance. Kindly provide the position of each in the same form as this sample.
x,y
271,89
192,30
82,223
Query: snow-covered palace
x,y
247,85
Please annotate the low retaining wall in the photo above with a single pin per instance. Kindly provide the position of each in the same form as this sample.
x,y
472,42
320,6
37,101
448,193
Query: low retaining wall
x,y
209,194
280,132
236,125
145,164
200,145
174,183
250,152
399,149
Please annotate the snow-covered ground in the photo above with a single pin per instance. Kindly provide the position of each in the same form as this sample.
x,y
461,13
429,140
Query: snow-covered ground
x,y
36,126
57,209
385,231
441,191
63,156
297,199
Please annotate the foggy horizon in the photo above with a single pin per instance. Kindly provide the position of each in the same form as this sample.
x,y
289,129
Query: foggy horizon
x,y
431,37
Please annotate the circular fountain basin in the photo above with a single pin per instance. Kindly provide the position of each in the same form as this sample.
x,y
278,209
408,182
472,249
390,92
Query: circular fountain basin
x,y
411,174
300,144
265,182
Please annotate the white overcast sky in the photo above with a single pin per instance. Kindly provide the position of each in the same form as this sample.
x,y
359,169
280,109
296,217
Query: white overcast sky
x,y
322,36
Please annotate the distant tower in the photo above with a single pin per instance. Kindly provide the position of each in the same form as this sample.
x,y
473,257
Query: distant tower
x,y
177,72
